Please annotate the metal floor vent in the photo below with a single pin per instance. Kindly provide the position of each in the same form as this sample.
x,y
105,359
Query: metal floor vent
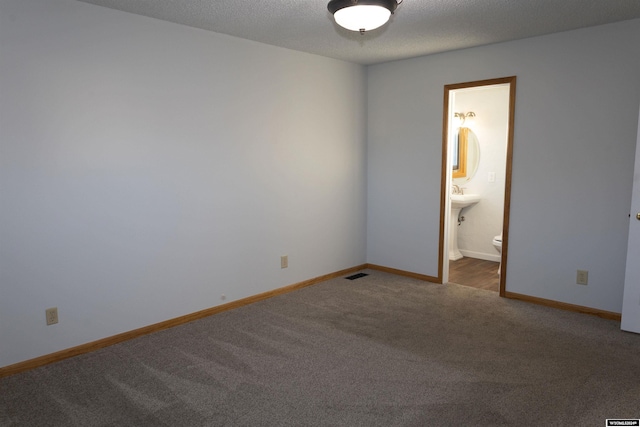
x,y
356,276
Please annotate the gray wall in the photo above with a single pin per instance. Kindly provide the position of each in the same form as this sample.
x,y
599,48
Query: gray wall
x,y
147,168
575,126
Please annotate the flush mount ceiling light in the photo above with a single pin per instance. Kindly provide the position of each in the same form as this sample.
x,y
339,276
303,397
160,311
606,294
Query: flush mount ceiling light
x,y
362,15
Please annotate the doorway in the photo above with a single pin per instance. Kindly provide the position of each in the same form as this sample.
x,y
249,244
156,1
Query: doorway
x,y
476,181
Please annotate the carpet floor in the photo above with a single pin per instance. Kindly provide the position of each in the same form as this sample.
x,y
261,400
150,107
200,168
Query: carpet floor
x,y
381,350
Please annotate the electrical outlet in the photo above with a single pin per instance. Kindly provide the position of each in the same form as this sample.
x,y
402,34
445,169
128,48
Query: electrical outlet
x,y
582,277
284,261
52,315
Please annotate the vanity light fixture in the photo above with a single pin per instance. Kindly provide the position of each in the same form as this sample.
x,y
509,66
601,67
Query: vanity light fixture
x,y
362,15
461,118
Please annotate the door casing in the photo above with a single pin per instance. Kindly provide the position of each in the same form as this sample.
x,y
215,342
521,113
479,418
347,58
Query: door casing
x,y
445,177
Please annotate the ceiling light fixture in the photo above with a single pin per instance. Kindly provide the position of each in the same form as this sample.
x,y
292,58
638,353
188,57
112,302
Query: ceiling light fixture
x,y
362,15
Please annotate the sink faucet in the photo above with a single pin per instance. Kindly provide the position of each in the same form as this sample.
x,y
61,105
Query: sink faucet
x,y
455,189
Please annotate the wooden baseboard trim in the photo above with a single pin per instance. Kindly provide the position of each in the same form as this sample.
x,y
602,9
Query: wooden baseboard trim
x,y
403,273
564,306
115,339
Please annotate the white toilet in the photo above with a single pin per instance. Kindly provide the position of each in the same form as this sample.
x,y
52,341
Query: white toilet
x,y
497,243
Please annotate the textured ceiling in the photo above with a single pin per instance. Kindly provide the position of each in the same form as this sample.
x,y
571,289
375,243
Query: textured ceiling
x,y
419,27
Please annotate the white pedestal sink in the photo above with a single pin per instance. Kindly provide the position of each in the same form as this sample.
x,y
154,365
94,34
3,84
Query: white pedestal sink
x,y
458,202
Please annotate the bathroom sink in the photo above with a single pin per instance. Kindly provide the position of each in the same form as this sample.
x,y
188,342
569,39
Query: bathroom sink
x,y
459,201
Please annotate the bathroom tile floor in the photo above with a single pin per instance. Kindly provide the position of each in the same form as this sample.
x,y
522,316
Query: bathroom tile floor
x,y
476,273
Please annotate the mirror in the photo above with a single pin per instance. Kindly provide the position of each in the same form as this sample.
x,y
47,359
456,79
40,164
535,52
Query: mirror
x,y
466,155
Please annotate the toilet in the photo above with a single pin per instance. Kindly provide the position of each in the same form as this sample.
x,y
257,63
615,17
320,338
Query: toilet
x,y
497,243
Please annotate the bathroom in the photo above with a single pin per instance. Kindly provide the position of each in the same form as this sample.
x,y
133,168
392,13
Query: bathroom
x,y
480,223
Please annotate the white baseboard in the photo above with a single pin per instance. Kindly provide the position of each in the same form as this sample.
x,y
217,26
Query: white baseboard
x,y
481,255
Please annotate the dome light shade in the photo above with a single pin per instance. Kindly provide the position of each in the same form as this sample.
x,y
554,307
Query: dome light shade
x,y
362,15
362,18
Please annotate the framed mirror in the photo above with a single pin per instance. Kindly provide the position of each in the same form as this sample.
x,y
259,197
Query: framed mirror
x,y
459,154
466,155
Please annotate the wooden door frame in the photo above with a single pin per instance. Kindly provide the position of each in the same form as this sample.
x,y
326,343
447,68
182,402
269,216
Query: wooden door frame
x,y
444,191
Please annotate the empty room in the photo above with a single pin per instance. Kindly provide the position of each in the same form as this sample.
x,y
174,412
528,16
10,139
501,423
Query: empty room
x,y
257,213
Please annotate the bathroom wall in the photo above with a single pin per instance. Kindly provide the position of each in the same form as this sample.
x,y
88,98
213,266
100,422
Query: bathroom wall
x,y
483,220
